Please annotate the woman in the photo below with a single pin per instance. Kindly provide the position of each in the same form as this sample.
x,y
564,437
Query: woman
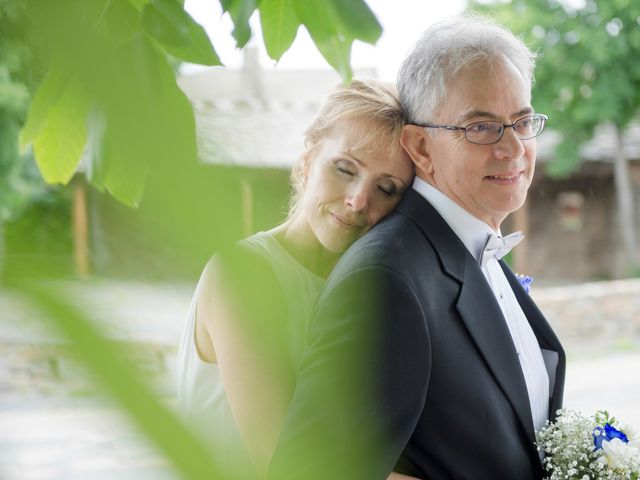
x,y
246,327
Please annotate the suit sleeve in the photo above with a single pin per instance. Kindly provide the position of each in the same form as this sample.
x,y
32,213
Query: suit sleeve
x,y
362,384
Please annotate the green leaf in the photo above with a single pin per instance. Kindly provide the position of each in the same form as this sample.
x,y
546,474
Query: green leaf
x,y
334,24
327,32
47,95
320,19
122,125
279,26
125,180
240,12
138,4
145,122
357,20
338,54
169,24
123,21
60,143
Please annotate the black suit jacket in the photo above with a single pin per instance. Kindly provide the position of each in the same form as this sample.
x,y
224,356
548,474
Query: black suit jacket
x,y
410,365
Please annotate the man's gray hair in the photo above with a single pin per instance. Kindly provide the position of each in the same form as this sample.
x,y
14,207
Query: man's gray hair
x,y
444,49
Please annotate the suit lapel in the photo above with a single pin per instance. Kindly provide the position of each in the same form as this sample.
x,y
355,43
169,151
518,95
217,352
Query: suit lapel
x,y
476,304
446,243
547,339
483,318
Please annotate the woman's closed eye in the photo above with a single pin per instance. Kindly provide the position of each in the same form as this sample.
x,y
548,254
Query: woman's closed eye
x,y
344,167
388,188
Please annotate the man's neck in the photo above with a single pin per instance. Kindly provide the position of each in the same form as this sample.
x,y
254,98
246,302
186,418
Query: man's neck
x,y
493,223
469,229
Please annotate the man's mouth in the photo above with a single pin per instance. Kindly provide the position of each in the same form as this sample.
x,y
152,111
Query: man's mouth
x,y
507,178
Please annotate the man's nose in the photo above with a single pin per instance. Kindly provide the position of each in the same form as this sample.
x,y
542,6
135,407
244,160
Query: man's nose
x,y
509,146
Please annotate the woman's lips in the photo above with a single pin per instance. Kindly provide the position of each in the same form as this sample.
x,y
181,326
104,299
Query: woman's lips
x,y
344,222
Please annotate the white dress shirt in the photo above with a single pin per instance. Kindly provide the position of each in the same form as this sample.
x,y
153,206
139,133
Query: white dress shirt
x,y
473,233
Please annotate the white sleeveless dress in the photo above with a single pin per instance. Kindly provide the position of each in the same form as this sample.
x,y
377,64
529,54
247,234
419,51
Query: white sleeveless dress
x,y
201,396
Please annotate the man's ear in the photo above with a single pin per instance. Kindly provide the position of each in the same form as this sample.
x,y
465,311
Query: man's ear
x,y
416,142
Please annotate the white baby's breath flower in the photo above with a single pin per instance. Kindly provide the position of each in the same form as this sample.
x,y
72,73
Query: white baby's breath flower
x,y
573,453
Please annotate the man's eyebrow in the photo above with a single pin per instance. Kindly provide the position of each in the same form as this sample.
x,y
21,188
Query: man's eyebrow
x,y
524,111
474,114
481,113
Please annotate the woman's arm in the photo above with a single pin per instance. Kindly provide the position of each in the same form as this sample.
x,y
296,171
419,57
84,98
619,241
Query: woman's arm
x,y
240,322
361,383
400,476
241,310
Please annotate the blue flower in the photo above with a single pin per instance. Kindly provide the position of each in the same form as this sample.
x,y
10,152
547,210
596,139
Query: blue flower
x,y
607,433
525,281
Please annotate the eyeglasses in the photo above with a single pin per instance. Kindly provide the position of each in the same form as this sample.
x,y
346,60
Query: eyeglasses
x,y
486,133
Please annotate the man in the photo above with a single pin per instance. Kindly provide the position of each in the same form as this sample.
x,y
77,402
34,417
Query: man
x,y
460,367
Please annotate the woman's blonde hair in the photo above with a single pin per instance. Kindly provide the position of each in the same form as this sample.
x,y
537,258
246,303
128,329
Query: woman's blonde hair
x,y
365,100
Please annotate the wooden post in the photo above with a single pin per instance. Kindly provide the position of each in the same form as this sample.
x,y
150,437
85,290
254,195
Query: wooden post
x,y
80,229
626,206
521,223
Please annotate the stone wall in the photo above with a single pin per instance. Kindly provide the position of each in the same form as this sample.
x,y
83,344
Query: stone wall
x,y
590,317
593,316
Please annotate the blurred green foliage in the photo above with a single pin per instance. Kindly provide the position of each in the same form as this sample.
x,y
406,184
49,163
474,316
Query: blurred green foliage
x,y
107,104
109,101
587,72
140,243
40,235
20,182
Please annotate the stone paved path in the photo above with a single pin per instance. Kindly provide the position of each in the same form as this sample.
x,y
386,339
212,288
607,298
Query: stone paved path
x,y
607,381
71,440
50,428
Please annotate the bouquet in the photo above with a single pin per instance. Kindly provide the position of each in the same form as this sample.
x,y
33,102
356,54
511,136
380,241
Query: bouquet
x,y
597,447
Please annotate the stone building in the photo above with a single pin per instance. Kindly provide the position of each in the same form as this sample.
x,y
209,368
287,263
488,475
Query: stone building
x,y
255,118
572,224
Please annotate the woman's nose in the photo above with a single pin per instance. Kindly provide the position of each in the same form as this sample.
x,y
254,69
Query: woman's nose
x,y
357,197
